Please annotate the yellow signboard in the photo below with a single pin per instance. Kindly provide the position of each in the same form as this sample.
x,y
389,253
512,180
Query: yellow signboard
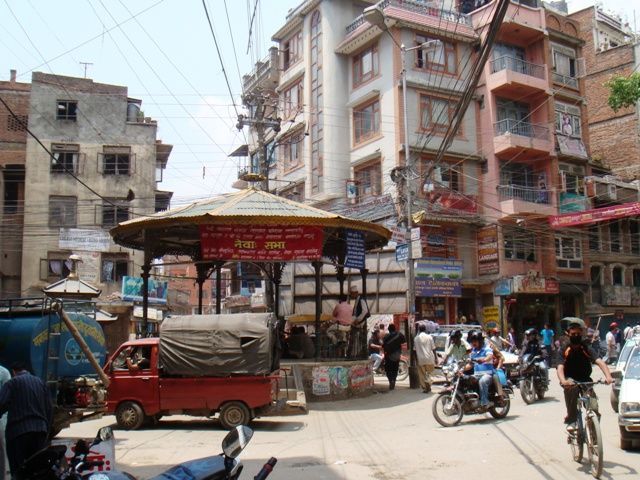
x,y
491,315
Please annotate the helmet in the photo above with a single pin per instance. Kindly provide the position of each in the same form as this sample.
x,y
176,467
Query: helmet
x,y
456,334
475,335
531,332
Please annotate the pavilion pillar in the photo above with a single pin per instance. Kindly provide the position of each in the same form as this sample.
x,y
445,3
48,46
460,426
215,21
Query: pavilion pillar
x,y
201,277
317,267
340,276
218,287
363,347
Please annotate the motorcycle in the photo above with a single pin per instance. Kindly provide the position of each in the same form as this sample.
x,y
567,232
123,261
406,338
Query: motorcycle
x,y
403,369
461,396
50,464
534,379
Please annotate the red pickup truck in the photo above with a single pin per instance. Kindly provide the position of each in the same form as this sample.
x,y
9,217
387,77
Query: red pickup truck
x,y
140,392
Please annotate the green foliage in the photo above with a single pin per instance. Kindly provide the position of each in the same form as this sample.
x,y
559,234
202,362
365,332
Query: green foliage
x,y
624,91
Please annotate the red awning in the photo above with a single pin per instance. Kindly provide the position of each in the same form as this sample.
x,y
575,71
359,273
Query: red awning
x,y
595,215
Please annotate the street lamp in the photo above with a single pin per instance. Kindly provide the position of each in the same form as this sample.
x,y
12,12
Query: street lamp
x,y
376,17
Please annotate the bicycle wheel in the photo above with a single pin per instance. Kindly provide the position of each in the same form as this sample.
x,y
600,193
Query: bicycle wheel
x,y
576,442
594,444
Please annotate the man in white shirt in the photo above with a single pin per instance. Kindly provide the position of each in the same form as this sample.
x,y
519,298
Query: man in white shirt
x,y
612,348
425,349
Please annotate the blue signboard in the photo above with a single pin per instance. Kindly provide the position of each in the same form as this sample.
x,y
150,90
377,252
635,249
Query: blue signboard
x,y
438,277
402,252
503,287
355,249
132,290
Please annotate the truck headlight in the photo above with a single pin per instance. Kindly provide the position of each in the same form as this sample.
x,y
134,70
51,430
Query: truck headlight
x,y
629,407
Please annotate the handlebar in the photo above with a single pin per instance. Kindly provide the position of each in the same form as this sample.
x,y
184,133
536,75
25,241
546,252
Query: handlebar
x,y
83,466
267,468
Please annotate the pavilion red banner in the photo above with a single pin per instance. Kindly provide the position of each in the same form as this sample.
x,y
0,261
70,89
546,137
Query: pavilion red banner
x,y
260,242
596,215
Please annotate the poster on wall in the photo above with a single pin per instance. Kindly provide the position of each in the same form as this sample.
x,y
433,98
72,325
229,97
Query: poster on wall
x,y
89,267
132,290
436,277
488,262
260,242
355,249
320,381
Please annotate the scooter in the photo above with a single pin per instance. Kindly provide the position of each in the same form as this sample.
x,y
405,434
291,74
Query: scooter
x,y
49,464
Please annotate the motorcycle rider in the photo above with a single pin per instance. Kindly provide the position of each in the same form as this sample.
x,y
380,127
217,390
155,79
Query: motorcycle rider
x,y
576,365
531,346
375,349
482,358
458,348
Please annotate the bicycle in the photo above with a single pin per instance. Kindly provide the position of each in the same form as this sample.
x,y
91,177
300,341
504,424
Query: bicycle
x,y
587,428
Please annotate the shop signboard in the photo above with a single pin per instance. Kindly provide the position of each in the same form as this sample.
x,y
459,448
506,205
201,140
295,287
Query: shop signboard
x,y
488,250
132,290
260,242
573,202
355,249
84,239
616,295
502,287
416,243
535,284
490,316
595,215
402,252
436,277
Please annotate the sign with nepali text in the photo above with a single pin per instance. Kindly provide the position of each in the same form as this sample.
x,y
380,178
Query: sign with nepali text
x,y
260,242
437,277
355,249
488,250
595,215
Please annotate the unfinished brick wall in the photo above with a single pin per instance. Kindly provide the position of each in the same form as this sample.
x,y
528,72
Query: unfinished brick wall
x,y
17,97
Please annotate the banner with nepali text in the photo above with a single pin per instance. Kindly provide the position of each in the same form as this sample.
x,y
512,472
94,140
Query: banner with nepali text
x,y
595,215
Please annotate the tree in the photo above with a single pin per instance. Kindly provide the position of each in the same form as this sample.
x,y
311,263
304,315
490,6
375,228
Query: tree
x,y
624,91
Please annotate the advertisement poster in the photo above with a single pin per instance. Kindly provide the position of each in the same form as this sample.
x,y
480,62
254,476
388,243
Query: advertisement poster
x,y
339,377
355,249
321,382
437,277
490,316
488,250
89,267
535,284
265,242
503,287
132,290
361,376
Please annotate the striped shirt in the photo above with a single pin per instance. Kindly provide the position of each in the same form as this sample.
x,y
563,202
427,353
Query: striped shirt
x,y
27,400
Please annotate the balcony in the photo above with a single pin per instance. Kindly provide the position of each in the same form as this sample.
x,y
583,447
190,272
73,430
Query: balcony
x,y
565,80
527,140
515,199
524,22
265,75
515,78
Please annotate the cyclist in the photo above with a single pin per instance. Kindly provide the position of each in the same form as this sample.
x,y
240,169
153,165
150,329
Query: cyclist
x,y
577,358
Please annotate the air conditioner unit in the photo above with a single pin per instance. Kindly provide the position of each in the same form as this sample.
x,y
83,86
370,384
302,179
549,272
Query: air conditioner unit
x,y
612,192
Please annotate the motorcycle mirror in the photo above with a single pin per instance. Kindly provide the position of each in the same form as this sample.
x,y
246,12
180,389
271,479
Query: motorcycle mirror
x,y
236,440
104,434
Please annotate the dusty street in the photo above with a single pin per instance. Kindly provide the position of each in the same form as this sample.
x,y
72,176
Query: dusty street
x,y
386,436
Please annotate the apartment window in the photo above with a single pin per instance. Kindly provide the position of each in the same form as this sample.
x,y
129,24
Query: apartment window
x,y
62,211
437,56
635,277
369,180
65,158
572,178
617,276
17,123
568,120
366,65
519,245
55,266
295,193
293,98
594,237
67,110
436,114
513,117
366,121
117,161
114,212
615,239
447,176
291,151
568,252
292,50
113,268
564,61
634,236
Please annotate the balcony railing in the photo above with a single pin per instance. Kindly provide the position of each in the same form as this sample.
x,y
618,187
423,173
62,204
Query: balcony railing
x,y
416,6
526,194
565,80
517,65
524,129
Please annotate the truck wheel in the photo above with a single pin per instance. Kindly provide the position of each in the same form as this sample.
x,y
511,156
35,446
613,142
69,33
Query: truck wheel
x,y
233,414
129,416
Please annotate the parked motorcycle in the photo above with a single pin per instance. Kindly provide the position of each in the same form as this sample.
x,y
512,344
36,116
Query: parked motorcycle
x,y
403,369
49,464
461,396
534,379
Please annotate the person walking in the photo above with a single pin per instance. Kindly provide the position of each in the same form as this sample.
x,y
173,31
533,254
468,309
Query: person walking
x,y
547,335
392,345
612,345
5,376
27,401
425,349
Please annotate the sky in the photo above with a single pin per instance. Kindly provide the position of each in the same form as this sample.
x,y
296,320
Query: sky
x,y
167,57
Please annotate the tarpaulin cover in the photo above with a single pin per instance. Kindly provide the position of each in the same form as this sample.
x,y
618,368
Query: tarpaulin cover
x,y
219,345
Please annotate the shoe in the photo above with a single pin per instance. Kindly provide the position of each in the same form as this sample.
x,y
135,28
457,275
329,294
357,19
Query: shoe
x,y
572,427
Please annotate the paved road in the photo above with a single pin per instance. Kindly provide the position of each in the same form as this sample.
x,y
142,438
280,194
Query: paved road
x,y
390,435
